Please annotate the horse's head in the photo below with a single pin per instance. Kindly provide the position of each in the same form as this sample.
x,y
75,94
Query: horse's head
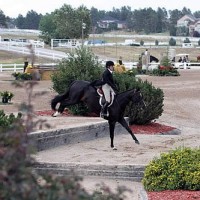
x,y
138,98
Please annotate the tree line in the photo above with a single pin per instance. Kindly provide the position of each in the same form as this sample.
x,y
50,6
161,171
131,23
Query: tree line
x,y
66,22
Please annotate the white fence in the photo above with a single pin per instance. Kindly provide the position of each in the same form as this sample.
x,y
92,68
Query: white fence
x,y
129,65
20,67
40,52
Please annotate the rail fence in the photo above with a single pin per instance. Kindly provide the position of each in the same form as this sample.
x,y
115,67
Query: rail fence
x,y
20,67
39,52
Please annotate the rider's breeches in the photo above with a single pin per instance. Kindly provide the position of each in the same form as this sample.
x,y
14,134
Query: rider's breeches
x,y
107,90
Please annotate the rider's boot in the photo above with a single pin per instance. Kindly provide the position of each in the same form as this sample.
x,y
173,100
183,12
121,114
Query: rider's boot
x,y
104,111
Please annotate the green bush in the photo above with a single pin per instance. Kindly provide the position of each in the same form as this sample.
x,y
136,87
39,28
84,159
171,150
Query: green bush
x,y
156,42
141,42
22,76
172,42
168,71
80,65
7,120
187,40
177,170
153,98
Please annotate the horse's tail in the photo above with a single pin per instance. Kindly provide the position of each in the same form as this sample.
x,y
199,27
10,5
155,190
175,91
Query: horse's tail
x,y
58,98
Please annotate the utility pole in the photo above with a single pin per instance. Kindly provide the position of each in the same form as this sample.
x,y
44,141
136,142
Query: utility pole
x,y
83,26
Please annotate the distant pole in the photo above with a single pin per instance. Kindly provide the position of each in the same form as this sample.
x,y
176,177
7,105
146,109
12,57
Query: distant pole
x,y
83,26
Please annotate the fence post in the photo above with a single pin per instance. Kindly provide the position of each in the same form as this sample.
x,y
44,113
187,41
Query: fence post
x,y
15,67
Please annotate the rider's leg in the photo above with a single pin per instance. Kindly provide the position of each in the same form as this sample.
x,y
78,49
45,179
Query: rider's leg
x,y
106,90
105,109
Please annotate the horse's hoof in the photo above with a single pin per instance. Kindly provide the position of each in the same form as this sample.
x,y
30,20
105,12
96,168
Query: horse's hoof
x,y
137,142
114,148
55,114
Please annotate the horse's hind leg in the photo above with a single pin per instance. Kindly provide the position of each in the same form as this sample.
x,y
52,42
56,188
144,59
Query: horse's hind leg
x,y
62,106
112,128
125,125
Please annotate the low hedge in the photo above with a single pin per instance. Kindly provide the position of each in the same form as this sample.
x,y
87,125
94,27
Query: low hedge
x,y
177,170
165,71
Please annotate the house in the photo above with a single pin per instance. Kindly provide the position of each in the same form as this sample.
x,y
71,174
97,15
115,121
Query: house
x,y
190,22
186,20
108,21
194,27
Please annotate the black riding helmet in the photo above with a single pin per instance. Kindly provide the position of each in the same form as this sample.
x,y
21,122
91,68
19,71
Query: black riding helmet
x,y
109,63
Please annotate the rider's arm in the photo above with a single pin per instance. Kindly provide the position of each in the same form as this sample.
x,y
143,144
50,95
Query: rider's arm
x,y
107,78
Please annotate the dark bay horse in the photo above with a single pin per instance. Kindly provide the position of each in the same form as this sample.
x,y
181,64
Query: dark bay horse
x,y
82,91
153,59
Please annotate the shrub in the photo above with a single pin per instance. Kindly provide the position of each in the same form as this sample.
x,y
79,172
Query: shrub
x,y
6,95
165,71
22,76
187,40
165,61
156,42
153,98
142,42
172,42
177,170
165,68
7,120
80,65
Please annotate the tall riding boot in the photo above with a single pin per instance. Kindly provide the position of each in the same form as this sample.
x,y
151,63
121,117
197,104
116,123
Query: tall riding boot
x,y
105,109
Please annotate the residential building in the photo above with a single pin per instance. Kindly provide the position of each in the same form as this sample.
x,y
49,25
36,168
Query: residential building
x,y
190,22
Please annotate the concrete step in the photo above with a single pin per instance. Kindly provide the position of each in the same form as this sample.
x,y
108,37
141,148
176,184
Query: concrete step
x,y
126,172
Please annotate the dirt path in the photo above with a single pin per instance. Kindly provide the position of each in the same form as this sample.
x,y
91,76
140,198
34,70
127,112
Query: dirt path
x,y
181,110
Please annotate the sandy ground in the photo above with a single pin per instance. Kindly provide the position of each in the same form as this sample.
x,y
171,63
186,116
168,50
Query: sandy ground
x,y
181,110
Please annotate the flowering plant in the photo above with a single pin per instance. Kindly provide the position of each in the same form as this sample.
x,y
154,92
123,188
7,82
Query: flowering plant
x,y
16,75
22,76
7,95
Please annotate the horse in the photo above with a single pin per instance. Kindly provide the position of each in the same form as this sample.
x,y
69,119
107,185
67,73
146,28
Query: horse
x,y
153,59
83,91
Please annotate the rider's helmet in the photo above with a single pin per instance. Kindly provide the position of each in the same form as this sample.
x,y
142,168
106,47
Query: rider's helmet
x,y
109,63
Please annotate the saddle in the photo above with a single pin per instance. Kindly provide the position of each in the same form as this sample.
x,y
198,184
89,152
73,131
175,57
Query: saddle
x,y
102,99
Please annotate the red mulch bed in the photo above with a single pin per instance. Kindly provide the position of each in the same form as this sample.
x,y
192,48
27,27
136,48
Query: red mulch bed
x,y
152,128
174,195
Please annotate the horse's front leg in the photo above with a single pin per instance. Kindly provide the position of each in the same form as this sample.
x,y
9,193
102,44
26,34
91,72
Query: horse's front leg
x,y
125,125
112,129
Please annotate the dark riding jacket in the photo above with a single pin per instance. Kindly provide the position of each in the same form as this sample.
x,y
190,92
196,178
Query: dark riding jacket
x,y
107,77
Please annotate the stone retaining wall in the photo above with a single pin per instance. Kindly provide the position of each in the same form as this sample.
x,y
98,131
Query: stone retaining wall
x,y
47,139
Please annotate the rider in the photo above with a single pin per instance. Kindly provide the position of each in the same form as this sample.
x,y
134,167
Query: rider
x,y
108,86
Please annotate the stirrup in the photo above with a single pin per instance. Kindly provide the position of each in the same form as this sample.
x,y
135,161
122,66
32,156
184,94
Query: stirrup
x,y
102,115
